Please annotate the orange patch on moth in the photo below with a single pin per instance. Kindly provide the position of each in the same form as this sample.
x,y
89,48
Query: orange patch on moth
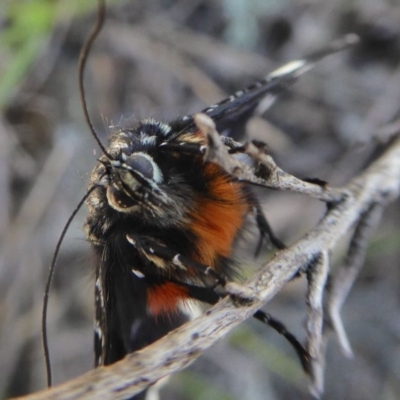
x,y
217,218
165,298
194,137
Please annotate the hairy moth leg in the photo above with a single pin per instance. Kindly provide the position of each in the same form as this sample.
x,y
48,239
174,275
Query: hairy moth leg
x,y
165,258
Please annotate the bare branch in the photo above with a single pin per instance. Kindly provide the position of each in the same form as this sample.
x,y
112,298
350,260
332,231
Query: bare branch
x,y
275,177
377,185
338,289
317,274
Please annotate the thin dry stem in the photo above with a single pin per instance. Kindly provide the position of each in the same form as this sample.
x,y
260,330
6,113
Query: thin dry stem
x,y
377,185
341,284
317,274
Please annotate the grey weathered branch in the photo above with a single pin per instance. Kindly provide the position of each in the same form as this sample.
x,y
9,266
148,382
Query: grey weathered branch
x,y
375,187
339,287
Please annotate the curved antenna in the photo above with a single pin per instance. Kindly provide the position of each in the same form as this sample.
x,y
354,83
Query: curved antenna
x,y
48,284
82,64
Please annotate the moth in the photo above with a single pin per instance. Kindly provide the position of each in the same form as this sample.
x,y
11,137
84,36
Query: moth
x,y
163,221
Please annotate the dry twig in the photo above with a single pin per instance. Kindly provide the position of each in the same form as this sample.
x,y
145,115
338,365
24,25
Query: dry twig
x,y
370,191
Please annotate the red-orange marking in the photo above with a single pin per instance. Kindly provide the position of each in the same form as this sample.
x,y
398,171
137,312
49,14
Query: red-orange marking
x,y
218,218
216,221
164,299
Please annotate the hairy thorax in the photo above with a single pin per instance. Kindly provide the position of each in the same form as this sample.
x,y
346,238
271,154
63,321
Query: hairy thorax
x,y
183,201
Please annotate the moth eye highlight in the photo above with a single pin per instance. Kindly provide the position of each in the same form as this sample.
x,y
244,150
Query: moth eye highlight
x,y
141,164
144,164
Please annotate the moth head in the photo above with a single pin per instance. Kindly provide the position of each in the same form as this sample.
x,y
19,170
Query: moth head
x,y
145,177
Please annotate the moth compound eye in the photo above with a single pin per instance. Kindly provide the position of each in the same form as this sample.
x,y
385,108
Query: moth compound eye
x,y
144,164
141,164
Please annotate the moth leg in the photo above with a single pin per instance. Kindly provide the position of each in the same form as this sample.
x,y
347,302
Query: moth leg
x,y
184,147
170,264
164,258
175,266
168,260
210,296
265,230
303,354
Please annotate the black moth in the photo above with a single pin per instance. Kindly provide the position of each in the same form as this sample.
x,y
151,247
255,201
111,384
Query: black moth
x,y
163,222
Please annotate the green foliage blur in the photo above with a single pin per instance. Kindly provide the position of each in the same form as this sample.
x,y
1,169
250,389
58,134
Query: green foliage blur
x,y
26,27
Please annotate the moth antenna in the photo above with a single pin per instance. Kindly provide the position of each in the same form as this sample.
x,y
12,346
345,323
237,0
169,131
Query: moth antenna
x,y
48,285
101,11
82,64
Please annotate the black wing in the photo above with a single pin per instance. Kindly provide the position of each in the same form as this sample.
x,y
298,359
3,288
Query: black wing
x,y
233,112
123,323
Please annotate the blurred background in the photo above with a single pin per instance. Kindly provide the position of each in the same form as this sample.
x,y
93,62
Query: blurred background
x,y
162,59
